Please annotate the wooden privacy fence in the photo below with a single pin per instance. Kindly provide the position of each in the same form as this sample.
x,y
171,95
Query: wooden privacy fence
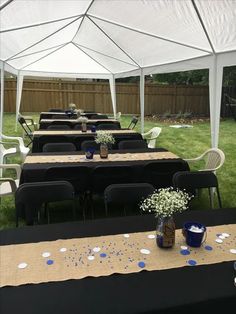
x,y
42,95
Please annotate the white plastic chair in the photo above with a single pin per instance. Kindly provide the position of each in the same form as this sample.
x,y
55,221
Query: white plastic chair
x,y
18,144
151,136
214,158
8,186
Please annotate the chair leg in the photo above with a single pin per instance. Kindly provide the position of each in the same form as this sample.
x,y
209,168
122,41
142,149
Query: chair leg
x,y
211,196
219,198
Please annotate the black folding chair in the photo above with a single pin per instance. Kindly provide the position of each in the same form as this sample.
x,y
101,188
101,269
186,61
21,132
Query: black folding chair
x,y
30,197
126,194
192,181
108,126
59,147
27,129
58,127
78,176
132,144
104,175
89,144
133,123
99,116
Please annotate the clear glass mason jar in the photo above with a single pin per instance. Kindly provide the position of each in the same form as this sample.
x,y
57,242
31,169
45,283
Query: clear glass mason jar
x,y
165,232
103,150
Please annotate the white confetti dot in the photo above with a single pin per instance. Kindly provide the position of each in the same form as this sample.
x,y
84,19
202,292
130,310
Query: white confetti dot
x,y
219,240
96,249
183,247
91,258
46,254
126,235
145,251
22,265
233,251
226,235
221,237
63,249
151,236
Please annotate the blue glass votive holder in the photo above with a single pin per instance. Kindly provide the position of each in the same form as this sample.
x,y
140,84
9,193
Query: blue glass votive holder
x,y
89,153
93,128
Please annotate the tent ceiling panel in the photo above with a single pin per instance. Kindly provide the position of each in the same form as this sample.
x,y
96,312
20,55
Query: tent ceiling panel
x,y
220,22
64,36
68,59
23,61
22,13
91,36
147,50
174,19
113,65
14,42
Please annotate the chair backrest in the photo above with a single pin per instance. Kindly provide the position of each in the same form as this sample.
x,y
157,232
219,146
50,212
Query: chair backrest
x,y
29,197
26,128
56,110
127,193
78,176
104,175
132,144
154,133
214,158
59,147
160,173
89,144
99,116
191,181
118,115
108,126
58,127
133,123
61,116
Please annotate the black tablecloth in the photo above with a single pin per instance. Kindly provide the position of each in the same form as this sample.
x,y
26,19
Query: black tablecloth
x,y
180,290
77,139
71,123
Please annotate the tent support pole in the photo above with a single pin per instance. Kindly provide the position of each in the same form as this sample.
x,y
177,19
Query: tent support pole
x,y
215,85
112,82
142,91
1,110
19,87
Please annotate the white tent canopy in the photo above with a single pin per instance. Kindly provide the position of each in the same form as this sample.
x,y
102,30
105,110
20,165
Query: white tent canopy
x,y
111,39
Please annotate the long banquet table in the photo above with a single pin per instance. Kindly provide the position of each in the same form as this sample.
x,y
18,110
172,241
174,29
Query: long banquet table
x,y
36,165
44,123
49,115
42,137
188,289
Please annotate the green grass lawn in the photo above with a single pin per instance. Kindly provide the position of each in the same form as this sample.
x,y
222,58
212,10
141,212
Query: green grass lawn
x,y
185,142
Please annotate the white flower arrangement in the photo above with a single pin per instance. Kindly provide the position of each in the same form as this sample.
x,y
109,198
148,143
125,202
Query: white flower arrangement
x,y
165,202
104,137
72,106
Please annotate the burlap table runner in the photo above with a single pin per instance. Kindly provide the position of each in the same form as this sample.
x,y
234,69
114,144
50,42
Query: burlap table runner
x,y
102,256
78,132
96,157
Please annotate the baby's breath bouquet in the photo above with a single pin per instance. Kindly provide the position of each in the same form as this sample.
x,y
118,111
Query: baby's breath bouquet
x,y
165,202
104,137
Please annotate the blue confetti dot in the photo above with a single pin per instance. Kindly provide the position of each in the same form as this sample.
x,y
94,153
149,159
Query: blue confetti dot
x,y
141,264
185,252
50,262
208,248
218,234
103,255
192,262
